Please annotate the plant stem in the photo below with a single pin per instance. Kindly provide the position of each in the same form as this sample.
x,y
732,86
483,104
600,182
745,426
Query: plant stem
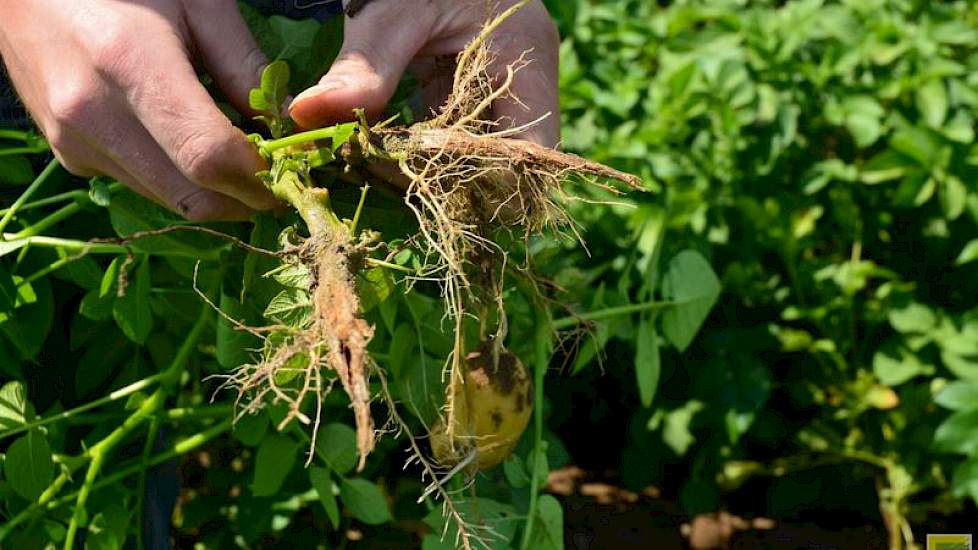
x,y
34,186
28,150
311,202
270,146
98,452
356,217
543,344
116,395
181,448
51,220
67,244
20,135
597,315
76,195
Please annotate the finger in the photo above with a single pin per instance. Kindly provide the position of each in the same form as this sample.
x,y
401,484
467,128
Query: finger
x,y
377,46
144,165
228,49
534,90
168,100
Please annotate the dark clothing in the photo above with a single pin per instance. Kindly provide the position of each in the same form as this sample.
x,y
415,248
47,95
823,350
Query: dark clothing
x,y
12,114
299,9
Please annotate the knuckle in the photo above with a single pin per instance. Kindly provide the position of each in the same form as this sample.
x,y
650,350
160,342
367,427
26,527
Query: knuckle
x,y
201,156
112,50
72,107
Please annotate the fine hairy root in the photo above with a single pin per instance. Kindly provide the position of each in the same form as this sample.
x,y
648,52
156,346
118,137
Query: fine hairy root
x,y
469,184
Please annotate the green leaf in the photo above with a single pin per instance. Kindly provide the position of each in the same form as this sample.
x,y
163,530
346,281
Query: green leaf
x,y
251,429
8,290
374,287
15,409
963,366
273,462
99,192
365,501
919,144
8,247
965,480
108,528
953,196
84,272
895,366
676,431
28,329
914,318
693,288
291,306
647,361
969,253
959,396
103,357
500,518
932,102
15,170
336,444
95,306
323,484
958,434
130,213
548,525
132,310
402,348
28,465
516,473
274,87
235,347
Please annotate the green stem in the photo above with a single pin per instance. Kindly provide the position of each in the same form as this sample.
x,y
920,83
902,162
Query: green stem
x,y
51,220
66,244
181,448
270,146
29,150
387,265
34,186
541,363
181,414
98,452
78,195
87,247
114,396
597,315
311,202
86,489
19,135
356,217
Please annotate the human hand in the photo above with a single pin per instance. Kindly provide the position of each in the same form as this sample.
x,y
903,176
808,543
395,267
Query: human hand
x,y
112,86
387,37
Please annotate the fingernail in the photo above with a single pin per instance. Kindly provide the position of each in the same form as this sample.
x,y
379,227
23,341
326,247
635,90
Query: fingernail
x,y
327,86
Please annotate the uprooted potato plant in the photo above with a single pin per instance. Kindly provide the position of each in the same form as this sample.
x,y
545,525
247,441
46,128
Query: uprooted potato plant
x,y
470,186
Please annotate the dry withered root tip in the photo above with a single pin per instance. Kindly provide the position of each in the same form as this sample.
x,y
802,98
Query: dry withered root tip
x,y
465,179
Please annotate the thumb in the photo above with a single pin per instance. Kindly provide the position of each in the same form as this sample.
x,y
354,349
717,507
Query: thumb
x,y
377,47
227,49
